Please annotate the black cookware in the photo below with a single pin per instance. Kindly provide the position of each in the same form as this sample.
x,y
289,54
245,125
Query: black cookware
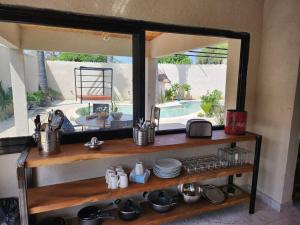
x,y
93,215
128,209
53,221
161,200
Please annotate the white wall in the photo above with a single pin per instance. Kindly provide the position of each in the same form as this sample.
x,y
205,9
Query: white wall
x,y
275,98
202,78
61,77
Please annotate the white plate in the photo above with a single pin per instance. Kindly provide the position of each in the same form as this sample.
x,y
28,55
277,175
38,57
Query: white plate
x,y
168,163
170,176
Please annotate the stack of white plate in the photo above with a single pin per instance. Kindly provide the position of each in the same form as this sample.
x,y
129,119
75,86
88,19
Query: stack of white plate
x,y
167,168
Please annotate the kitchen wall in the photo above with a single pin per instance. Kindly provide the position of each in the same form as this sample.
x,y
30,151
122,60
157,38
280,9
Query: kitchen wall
x,y
231,14
275,97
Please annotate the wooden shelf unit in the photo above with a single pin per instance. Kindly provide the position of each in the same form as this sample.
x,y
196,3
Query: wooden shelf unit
x,y
59,196
125,147
181,211
35,200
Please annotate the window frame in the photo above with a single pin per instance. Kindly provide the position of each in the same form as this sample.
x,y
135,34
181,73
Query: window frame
x,y
136,28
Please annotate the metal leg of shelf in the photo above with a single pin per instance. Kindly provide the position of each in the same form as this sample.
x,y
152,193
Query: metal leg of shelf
x,y
230,178
22,186
255,174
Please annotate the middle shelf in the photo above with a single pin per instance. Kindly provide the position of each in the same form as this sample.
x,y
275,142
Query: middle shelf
x,y
59,196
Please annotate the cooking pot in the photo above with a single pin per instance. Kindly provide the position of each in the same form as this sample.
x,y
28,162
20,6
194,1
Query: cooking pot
x,y
161,200
190,192
128,209
53,221
93,215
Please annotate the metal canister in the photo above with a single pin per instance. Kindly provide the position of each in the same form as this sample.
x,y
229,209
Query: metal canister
x,y
151,132
49,142
140,136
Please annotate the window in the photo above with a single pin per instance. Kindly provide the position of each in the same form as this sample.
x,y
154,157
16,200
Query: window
x,y
193,78
86,74
141,46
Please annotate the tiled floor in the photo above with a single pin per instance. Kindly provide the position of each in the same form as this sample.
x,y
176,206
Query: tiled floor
x,y
238,215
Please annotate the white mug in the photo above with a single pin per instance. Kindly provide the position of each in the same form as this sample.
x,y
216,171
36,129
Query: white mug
x,y
118,168
123,180
120,172
139,168
113,182
109,172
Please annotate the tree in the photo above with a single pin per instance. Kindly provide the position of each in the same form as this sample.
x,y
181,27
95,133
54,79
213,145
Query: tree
x,y
43,82
78,57
207,59
175,59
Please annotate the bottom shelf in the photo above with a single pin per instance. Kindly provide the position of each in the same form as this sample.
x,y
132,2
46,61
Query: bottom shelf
x,y
181,211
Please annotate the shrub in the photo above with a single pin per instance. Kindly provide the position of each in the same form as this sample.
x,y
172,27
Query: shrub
x,y
169,96
37,98
6,100
5,97
84,111
210,102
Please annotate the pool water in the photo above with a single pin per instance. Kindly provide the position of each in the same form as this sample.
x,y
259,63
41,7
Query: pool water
x,y
184,108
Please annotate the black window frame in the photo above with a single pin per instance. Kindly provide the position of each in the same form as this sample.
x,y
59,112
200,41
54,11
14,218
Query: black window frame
x,y
137,28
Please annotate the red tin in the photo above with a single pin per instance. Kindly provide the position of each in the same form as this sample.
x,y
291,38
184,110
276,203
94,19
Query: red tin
x,y
236,122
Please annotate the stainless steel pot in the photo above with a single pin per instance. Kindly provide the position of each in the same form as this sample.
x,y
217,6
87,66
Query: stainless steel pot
x,y
161,200
190,192
128,209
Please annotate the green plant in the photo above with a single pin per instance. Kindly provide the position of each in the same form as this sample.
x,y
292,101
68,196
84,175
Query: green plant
x,y
5,97
78,57
6,100
84,111
175,59
185,87
114,107
210,101
168,95
36,98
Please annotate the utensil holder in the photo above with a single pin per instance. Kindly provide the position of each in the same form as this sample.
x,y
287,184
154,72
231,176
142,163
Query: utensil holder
x,y
48,142
140,136
151,134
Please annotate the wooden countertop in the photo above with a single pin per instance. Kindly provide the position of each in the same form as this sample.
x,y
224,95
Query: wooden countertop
x,y
125,147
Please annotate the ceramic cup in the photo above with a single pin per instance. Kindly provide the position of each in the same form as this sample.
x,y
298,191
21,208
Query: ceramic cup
x,y
113,182
108,173
117,168
123,180
120,172
139,168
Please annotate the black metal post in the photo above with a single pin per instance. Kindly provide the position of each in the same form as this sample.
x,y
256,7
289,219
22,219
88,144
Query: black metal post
x,y
75,77
80,74
230,178
255,173
22,188
242,80
138,50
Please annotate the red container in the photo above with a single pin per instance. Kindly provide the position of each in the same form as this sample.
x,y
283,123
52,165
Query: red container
x,y
236,122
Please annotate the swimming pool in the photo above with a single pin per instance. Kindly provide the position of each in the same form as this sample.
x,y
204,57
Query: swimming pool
x,y
181,108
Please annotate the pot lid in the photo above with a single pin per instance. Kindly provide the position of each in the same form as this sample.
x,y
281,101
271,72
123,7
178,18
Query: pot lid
x,y
213,194
161,197
89,213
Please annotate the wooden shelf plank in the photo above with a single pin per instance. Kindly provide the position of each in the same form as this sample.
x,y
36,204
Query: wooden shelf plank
x,y
58,196
125,147
181,211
